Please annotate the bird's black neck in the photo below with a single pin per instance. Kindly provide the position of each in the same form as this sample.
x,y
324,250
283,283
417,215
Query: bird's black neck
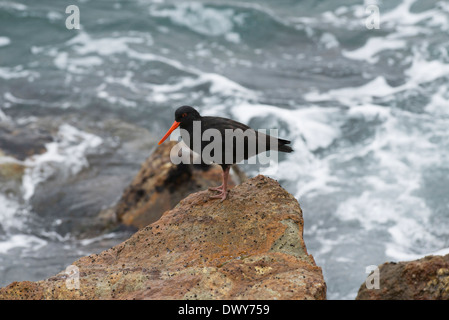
x,y
188,125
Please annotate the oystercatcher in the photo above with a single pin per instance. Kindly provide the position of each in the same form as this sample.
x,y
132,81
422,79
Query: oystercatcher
x,y
254,142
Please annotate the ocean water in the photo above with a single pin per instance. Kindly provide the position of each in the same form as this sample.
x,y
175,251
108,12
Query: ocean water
x,y
366,109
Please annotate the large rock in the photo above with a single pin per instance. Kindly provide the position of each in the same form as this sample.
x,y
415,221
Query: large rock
x,y
249,246
423,279
160,185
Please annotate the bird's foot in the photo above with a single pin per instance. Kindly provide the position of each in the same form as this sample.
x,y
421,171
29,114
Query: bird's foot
x,y
220,188
221,196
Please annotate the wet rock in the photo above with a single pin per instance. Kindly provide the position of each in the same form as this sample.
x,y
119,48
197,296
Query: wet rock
x,y
423,279
11,170
22,141
17,142
11,174
160,185
76,199
249,246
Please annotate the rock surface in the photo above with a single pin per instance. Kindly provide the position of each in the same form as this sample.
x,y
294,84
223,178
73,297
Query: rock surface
x,y
423,279
22,141
249,246
160,185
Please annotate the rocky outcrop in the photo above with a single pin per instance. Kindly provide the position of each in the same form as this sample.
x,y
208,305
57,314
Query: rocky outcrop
x,y
423,279
160,185
249,246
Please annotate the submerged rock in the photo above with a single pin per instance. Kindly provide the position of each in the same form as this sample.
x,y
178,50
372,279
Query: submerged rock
x,y
100,160
423,279
160,185
249,246
17,143
22,141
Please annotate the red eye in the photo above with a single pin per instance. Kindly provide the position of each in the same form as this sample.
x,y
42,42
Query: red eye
x,y
184,115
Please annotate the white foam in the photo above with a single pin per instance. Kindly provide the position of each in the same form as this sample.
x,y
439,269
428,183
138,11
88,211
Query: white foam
x,y
402,148
233,37
71,148
410,238
398,254
76,65
8,210
329,40
369,112
438,104
84,44
13,5
16,72
225,86
387,206
441,252
424,71
116,100
219,86
201,19
11,98
373,46
377,87
420,72
405,216
87,242
401,23
4,41
31,243
402,15
390,200
3,117
54,236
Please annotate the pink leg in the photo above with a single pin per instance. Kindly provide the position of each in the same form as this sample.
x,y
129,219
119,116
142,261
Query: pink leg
x,y
220,188
223,188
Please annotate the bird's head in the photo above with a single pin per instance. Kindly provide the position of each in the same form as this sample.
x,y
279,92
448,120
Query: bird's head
x,y
184,116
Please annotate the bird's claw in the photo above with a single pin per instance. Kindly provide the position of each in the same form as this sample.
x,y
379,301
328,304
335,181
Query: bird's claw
x,y
220,188
221,196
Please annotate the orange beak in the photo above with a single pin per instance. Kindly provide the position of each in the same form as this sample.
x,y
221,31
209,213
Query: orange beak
x,y
173,127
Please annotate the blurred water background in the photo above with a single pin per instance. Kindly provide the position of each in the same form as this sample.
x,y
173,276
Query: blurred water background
x,y
367,111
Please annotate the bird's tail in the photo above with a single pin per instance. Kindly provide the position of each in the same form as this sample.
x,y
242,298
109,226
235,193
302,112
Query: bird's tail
x,y
282,146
